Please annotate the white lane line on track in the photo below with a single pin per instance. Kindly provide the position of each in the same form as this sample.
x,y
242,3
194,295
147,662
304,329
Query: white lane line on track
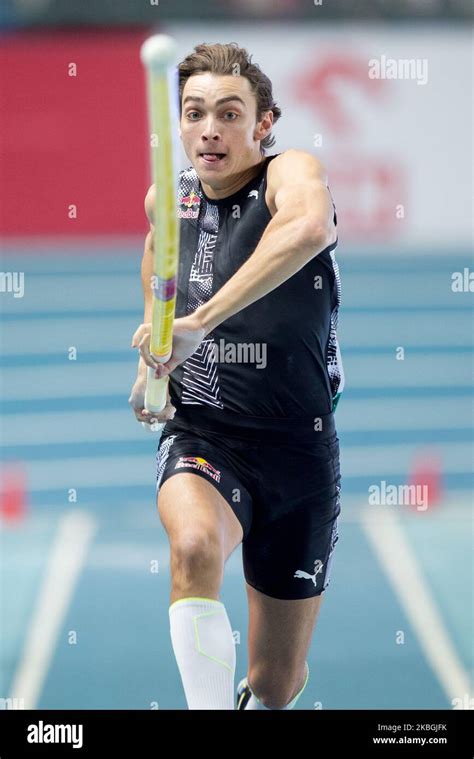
x,y
73,538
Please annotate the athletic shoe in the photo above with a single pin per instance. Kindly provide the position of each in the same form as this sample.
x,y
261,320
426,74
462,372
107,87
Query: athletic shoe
x,y
243,694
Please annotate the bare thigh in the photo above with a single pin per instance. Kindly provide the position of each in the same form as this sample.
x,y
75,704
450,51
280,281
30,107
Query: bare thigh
x,y
203,532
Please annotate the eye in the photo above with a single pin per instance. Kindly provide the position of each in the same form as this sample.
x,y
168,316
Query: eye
x,y
231,113
190,115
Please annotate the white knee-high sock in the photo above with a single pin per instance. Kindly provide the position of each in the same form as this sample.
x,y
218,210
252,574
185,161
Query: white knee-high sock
x,y
204,647
254,703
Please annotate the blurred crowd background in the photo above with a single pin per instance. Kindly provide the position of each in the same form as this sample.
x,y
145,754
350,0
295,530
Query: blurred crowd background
x,y
40,12
124,12
73,114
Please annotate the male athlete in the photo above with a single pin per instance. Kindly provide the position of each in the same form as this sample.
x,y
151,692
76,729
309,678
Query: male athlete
x,y
249,453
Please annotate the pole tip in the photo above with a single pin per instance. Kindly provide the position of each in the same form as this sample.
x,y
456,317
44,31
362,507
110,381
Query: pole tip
x,y
158,50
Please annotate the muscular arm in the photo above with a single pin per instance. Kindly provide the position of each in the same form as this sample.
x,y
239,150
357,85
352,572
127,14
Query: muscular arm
x,y
302,227
147,269
137,395
147,273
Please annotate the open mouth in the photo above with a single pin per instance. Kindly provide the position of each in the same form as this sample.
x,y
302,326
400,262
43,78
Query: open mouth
x,y
212,157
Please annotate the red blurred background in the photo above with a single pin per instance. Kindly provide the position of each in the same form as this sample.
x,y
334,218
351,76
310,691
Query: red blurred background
x,y
63,136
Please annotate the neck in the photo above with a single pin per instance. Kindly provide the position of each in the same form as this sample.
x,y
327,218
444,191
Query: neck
x,y
234,182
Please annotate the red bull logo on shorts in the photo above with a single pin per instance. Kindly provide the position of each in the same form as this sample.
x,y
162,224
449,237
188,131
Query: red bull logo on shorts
x,y
197,462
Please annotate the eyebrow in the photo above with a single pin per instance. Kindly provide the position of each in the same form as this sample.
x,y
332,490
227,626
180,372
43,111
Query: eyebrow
x,y
227,99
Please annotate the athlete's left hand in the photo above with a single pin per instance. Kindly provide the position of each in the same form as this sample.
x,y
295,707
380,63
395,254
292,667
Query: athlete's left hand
x,y
188,333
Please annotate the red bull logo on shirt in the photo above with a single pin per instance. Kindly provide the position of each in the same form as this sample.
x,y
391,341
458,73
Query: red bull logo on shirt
x,y
197,462
191,205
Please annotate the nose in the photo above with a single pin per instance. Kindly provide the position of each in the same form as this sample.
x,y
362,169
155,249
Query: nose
x,y
210,131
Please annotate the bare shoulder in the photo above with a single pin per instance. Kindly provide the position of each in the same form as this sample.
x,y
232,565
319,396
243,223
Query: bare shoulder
x,y
150,203
292,167
295,165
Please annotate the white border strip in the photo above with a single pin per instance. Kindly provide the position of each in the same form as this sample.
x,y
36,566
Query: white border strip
x,y
73,537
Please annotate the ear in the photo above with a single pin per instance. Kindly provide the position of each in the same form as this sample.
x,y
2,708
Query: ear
x,y
264,126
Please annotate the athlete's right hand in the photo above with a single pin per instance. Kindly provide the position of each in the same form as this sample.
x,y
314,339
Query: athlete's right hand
x,y
188,333
137,402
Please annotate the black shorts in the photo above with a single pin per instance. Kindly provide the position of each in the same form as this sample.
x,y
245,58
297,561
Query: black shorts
x,y
282,485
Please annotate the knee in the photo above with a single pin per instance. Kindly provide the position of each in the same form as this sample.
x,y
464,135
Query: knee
x,y
276,686
195,553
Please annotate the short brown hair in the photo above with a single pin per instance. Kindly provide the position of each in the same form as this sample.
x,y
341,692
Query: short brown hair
x,y
228,59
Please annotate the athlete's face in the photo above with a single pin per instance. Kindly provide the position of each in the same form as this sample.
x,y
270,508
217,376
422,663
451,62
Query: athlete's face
x,y
219,128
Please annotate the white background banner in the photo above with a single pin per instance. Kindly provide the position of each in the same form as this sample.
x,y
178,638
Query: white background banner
x,y
388,111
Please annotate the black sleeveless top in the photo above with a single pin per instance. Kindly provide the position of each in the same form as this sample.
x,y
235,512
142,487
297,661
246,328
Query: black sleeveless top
x,y
278,357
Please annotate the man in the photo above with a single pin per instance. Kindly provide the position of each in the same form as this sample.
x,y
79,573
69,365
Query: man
x,y
251,455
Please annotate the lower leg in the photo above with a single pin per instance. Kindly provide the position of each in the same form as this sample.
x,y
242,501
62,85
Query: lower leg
x,y
280,633
201,633
203,644
285,698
